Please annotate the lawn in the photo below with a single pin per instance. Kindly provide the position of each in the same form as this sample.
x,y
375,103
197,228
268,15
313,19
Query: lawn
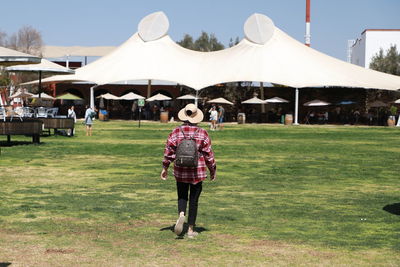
x,y
298,196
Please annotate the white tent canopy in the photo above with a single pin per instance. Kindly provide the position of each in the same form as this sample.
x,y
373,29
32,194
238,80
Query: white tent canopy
x,y
131,96
254,100
219,100
266,54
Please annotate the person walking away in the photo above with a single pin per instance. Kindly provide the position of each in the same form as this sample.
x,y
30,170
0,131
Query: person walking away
x,y
72,115
213,118
221,115
189,178
89,117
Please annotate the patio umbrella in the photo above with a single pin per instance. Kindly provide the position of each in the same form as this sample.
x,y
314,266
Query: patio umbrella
x,y
109,96
220,100
10,57
158,97
45,66
131,96
188,97
397,101
316,103
21,93
377,104
68,96
43,95
276,100
254,100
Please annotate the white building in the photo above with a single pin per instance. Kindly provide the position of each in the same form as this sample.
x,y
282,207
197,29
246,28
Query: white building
x,y
370,42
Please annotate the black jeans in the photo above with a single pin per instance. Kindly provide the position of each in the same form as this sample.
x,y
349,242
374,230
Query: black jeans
x,y
195,191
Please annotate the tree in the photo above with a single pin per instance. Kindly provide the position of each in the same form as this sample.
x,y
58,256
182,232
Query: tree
x,y
3,38
29,40
204,43
187,42
388,63
233,43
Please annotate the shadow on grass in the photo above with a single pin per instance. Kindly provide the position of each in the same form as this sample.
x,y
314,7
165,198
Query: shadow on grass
x,y
393,208
14,143
5,264
185,229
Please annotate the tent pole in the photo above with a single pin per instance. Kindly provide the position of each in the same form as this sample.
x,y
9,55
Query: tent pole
x,y
92,96
196,100
148,88
296,108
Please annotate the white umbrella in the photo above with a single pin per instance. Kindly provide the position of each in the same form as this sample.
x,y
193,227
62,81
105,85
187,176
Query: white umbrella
x,y
188,97
254,100
131,96
45,66
43,96
109,96
397,101
220,100
276,100
316,103
12,57
21,93
158,97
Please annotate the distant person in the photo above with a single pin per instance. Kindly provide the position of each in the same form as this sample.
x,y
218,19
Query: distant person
x,y
189,178
221,116
213,118
89,117
72,115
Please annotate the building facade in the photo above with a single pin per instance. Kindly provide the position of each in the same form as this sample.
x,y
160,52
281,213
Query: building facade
x,y
370,42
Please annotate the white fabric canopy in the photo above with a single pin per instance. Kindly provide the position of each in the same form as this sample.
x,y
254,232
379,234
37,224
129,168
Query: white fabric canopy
x,y
21,93
188,97
220,100
397,101
43,96
276,100
158,97
131,96
266,54
316,103
254,100
12,57
45,66
108,96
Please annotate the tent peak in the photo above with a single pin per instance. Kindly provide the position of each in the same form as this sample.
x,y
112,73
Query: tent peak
x,y
153,26
259,28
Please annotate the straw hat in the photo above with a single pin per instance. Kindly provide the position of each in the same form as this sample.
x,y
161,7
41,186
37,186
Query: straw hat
x,y
191,114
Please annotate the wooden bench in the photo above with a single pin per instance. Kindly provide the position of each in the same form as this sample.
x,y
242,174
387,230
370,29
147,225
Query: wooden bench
x,y
57,123
30,127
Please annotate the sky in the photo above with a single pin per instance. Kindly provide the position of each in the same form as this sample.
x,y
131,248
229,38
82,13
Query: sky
x,y
111,22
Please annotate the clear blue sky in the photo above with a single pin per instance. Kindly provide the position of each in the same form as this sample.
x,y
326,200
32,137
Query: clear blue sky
x,y
111,22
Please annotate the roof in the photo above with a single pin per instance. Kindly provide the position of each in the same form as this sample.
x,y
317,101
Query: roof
x,y
62,51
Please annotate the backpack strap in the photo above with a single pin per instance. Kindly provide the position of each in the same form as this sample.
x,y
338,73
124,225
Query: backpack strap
x,y
191,137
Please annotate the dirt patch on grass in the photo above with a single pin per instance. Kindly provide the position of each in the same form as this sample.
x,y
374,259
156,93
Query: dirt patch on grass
x,y
59,251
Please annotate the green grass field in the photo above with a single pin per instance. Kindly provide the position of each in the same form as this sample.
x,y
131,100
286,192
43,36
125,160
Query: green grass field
x,y
298,196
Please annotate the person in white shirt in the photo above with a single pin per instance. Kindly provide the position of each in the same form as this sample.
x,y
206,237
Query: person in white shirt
x,y
213,118
72,115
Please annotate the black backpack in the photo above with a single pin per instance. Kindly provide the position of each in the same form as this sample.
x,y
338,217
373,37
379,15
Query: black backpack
x,y
186,152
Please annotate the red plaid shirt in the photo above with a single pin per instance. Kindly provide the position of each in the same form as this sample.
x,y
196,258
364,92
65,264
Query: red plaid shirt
x,y
206,158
